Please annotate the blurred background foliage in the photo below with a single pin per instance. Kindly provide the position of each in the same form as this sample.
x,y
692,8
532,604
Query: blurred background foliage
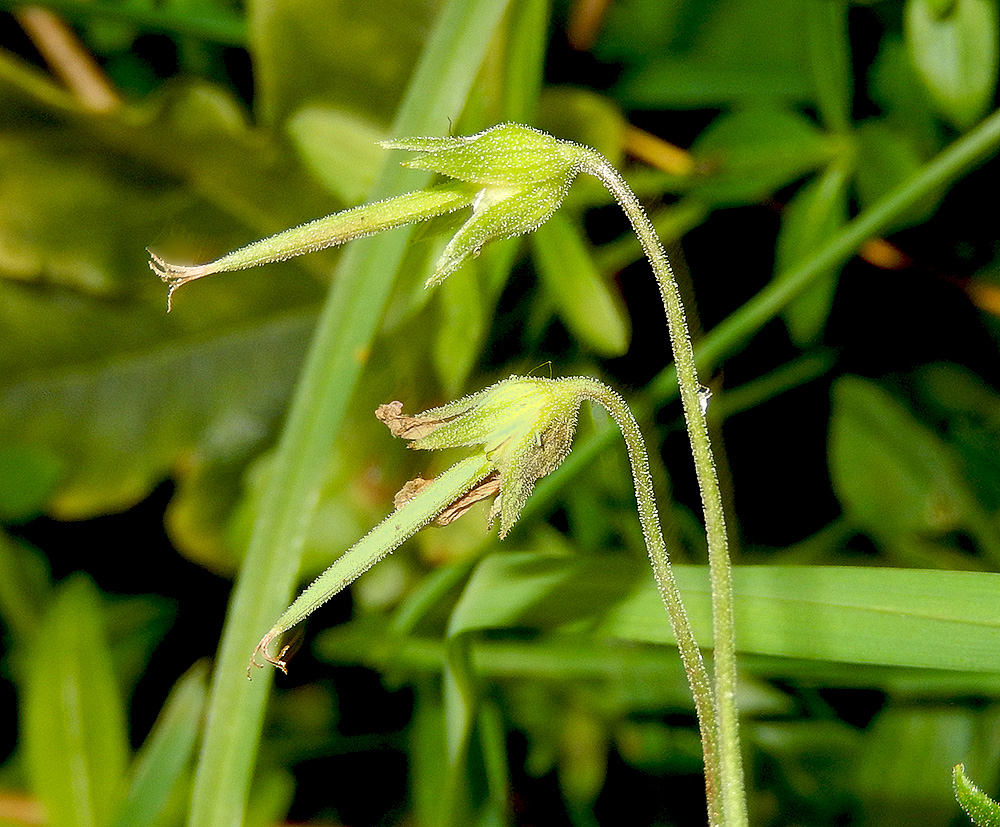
x,y
857,432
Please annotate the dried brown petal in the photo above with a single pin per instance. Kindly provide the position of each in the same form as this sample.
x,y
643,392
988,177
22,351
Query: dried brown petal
x,y
486,489
406,427
483,491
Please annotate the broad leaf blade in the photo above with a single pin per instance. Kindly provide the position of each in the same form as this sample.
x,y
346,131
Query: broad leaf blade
x,y
120,425
750,153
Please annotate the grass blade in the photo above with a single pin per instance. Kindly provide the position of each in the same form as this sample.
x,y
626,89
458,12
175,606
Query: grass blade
x,y
346,328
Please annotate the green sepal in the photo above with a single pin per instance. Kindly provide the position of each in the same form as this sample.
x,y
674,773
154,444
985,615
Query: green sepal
x,y
504,154
525,426
499,213
983,810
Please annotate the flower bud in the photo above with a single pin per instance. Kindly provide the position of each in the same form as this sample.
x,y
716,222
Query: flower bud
x,y
524,425
525,175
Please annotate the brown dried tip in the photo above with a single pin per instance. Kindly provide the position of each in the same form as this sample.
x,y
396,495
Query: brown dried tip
x,y
406,427
278,661
483,491
489,487
175,274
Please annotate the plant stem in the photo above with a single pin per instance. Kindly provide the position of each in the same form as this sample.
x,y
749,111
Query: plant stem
x,y
731,795
690,654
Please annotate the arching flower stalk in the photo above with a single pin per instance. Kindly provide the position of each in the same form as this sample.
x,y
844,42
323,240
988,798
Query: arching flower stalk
x,y
519,430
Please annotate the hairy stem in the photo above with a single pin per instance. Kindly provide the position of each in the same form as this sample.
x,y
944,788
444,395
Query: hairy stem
x,y
731,795
690,654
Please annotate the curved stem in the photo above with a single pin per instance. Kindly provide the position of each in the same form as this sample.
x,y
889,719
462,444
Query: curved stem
x,y
690,654
732,799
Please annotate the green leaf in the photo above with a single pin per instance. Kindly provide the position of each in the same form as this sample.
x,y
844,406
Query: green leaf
x,y
918,619
25,589
965,408
28,477
73,716
66,218
900,617
897,479
354,57
542,591
159,771
747,155
699,83
592,311
887,156
120,425
733,53
812,217
955,50
462,324
897,88
516,590
270,798
340,148
983,810
830,60
901,776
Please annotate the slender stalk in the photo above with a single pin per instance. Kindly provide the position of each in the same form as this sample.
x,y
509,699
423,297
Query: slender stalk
x,y
732,797
690,654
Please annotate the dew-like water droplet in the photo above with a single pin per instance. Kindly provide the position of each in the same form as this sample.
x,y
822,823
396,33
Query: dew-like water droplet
x,y
704,396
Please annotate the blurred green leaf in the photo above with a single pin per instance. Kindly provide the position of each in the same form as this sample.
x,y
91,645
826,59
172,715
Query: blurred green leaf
x,y
28,476
960,404
134,625
887,156
732,53
816,212
428,762
540,591
122,424
25,589
462,325
351,56
214,21
896,86
340,148
981,809
902,776
73,717
829,44
592,310
955,50
745,156
270,798
812,759
896,479
69,217
160,769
